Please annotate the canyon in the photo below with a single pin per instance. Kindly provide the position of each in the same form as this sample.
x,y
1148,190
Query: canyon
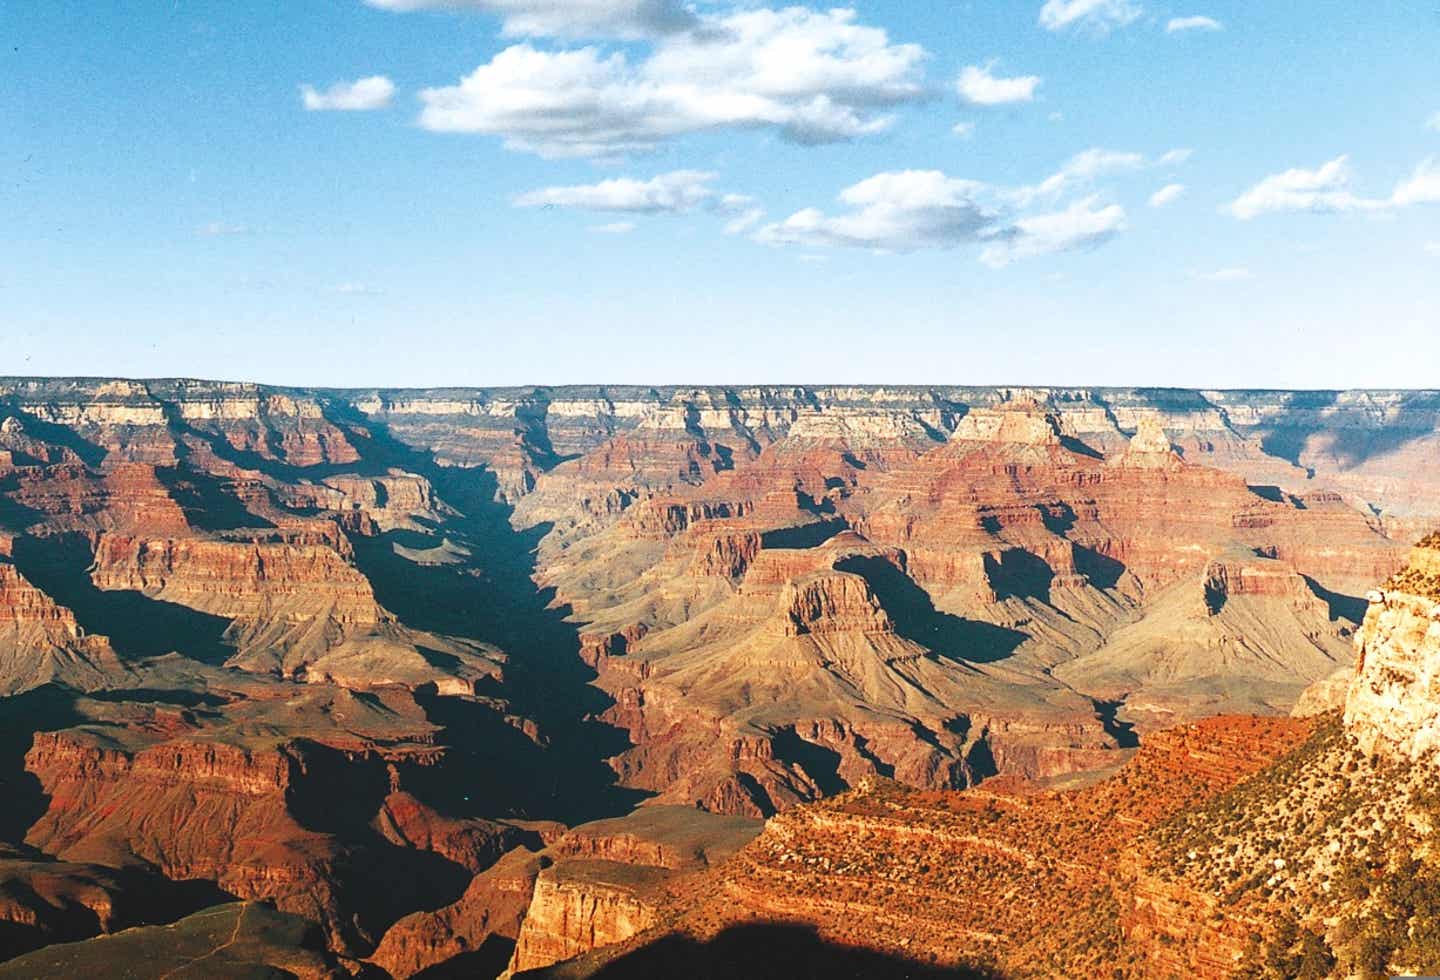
x,y
595,681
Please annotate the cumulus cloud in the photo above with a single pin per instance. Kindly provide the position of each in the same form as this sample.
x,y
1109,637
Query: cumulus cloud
x,y
1090,165
1433,123
1327,190
361,95
898,211
813,77
909,210
964,130
675,192
678,192
1168,194
1177,25
1097,15
1423,186
979,85
572,18
1083,225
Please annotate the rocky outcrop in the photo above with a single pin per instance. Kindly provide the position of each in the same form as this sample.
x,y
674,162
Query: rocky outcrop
x,y
1325,695
492,908
591,886
1224,579
831,602
1393,708
582,905
609,879
1015,878
473,844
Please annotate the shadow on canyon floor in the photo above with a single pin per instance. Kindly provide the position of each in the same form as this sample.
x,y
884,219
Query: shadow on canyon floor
x,y
44,709
137,625
1350,608
1288,434
917,619
489,960
493,598
764,951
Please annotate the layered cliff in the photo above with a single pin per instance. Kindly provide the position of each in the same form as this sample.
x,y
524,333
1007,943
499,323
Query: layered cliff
x,y
461,615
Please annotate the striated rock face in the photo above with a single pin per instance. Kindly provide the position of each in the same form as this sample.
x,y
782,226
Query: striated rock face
x,y
831,602
1393,708
579,906
238,580
610,879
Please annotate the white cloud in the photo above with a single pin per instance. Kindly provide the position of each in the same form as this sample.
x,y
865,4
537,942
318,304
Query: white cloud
x,y
1083,225
1178,25
678,192
361,95
1326,190
812,77
1085,168
675,193
898,211
1168,194
1097,15
978,85
964,130
1433,123
743,222
1232,274
1423,187
909,210
569,18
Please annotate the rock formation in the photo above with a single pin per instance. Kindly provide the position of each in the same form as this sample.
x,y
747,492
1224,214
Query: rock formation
x,y
296,643
1392,705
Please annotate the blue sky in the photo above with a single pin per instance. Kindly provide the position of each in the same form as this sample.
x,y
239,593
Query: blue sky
x,y
645,191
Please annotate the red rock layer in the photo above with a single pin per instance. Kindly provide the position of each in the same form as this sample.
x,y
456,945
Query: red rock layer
x,y
238,579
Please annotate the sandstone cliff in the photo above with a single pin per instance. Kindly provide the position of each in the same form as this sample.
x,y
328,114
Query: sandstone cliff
x,y
1394,703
